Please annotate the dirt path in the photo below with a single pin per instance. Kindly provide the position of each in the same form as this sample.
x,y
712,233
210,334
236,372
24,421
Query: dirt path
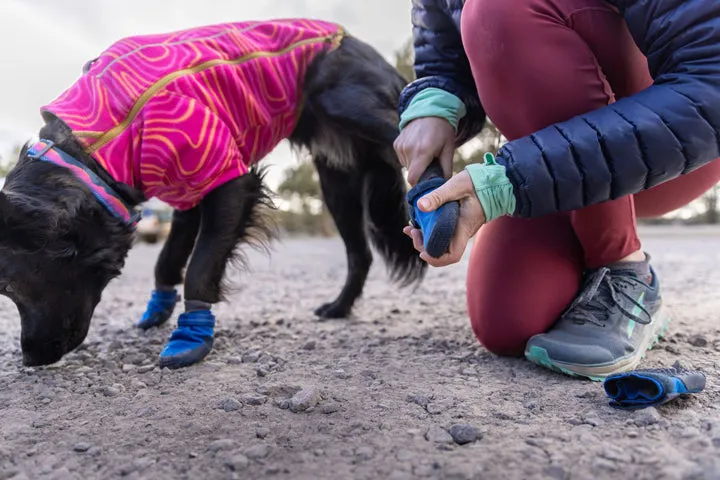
x,y
404,369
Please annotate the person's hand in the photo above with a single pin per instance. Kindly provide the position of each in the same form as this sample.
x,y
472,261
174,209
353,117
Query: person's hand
x,y
423,140
470,219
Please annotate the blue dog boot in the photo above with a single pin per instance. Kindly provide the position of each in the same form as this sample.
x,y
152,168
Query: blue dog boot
x,y
159,308
437,226
652,387
191,341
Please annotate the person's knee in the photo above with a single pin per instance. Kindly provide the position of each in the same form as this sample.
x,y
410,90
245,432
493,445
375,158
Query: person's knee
x,y
503,333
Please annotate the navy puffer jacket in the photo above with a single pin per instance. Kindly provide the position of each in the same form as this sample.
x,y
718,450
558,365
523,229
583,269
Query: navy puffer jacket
x,y
636,143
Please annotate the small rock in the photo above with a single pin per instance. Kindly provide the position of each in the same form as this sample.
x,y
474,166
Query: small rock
x,y
81,447
330,408
252,357
305,399
128,367
230,405
222,444
234,360
418,399
689,432
254,399
145,368
262,371
192,455
257,451
137,384
403,455
698,341
646,416
440,406
237,462
716,442
436,434
309,345
555,472
113,391
341,374
284,404
364,453
261,432
463,433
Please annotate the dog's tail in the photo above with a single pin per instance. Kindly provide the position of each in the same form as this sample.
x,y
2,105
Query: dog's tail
x,y
350,120
386,214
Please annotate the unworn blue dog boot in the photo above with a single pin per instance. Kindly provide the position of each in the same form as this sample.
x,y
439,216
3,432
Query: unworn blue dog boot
x,y
437,226
159,308
191,341
651,387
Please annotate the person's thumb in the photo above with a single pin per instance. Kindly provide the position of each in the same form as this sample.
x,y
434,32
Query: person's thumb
x,y
447,192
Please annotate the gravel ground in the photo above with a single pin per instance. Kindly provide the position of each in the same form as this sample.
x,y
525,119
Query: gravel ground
x,y
401,390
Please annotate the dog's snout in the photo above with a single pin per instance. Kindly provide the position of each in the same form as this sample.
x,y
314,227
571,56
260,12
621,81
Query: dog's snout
x,y
38,353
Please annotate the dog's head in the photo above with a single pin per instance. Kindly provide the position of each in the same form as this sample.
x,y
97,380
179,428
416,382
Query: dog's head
x,y
59,248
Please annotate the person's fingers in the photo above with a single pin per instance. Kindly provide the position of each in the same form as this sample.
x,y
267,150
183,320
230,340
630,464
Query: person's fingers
x,y
419,161
454,189
446,158
417,238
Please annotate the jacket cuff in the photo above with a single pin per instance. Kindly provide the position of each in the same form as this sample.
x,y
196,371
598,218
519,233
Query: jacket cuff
x,y
493,188
434,102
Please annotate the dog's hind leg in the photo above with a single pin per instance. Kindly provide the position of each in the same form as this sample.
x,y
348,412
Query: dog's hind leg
x,y
342,191
169,267
231,215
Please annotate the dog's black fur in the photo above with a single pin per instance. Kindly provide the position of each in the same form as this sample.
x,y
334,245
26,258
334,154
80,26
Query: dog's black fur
x,y
59,247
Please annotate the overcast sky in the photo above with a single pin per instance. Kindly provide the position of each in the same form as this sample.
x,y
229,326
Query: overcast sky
x,y
46,42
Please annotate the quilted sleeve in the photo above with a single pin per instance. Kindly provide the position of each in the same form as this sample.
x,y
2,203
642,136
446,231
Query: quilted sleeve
x,y
656,135
440,62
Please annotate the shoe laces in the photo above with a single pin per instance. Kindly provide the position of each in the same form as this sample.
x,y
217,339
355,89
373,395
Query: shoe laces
x,y
601,292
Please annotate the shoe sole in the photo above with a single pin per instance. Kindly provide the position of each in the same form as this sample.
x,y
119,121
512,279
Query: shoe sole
x,y
599,372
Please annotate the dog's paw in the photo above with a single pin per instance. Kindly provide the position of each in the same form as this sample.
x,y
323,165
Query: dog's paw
x,y
159,309
332,310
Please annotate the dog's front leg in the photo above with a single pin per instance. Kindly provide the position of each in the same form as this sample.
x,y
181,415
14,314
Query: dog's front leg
x,y
227,214
169,267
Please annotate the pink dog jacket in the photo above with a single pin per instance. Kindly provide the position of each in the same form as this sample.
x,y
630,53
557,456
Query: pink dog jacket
x,y
176,115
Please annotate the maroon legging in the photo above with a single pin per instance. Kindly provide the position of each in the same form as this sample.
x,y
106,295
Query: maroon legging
x,y
535,63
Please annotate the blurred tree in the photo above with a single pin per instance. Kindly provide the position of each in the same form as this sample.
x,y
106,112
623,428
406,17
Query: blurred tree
x,y
710,199
301,185
7,164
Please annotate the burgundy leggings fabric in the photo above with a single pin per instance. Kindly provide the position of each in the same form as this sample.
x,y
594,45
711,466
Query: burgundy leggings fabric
x,y
535,63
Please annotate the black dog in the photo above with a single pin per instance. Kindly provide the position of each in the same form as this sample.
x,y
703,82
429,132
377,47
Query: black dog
x,y
60,246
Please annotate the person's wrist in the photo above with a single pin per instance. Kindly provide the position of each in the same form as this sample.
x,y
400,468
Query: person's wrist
x,y
434,102
493,188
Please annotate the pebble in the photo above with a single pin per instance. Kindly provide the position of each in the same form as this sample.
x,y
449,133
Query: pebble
x,y
254,399
418,399
436,434
128,367
698,341
258,451
305,399
252,357
230,405
716,442
237,462
262,371
341,374
81,447
647,416
234,360
222,444
440,406
145,368
463,433
309,345
113,391
403,455
364,453
555,472
261,432
330,408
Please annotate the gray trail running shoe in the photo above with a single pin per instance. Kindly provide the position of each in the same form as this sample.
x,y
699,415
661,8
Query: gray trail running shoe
x,y
607,329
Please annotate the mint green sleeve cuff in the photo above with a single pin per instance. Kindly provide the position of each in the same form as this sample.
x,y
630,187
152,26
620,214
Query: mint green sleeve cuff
x,y
434,102
492,187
